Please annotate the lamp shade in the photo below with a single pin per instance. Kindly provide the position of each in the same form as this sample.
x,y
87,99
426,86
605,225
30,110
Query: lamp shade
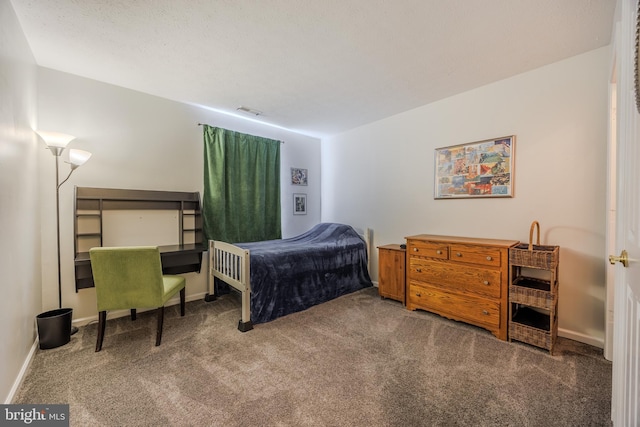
x,y
78,157
55,139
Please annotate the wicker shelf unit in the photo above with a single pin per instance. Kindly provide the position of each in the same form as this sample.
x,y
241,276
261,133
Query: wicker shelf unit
x,y
533,293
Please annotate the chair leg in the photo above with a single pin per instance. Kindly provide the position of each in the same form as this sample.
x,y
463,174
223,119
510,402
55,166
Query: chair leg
x,y
133,314
102,323
160,320
182,301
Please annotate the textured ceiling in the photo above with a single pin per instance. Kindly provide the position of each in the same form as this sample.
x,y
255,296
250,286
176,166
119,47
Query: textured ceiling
x,y
319,67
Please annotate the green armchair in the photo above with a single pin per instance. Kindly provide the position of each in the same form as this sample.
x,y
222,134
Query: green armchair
x,y
130,278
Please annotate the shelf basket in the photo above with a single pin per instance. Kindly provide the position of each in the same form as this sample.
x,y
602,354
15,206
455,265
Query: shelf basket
x,y
533,336
534,256
525,331
530,291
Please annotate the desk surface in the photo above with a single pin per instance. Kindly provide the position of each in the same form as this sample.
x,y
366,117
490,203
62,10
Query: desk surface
x,y
164,249
176,259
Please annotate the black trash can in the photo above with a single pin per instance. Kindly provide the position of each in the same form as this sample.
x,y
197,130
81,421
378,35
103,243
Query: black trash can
x,y
54,328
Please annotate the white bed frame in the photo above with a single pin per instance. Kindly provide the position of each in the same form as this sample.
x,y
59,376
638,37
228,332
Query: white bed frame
x,y
232,264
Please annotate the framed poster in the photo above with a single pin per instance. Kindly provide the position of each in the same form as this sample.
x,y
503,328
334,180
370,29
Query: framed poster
x,y
299,204
477,169
298,176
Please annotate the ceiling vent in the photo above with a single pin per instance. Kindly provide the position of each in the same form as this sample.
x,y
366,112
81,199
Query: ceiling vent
x,y
249,111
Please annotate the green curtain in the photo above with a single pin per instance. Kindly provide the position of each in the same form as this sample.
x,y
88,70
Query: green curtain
x,y
241,200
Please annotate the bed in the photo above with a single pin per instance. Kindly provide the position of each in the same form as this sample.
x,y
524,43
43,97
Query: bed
x,y
279,277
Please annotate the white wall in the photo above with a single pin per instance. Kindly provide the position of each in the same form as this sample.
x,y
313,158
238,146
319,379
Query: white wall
x,y
381,175
140,141
19,206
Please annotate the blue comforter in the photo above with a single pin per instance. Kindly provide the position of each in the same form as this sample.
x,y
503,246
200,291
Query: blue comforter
x,y
291,275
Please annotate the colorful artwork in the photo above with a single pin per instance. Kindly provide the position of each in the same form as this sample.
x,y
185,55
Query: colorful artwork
x,y
298,176
477,169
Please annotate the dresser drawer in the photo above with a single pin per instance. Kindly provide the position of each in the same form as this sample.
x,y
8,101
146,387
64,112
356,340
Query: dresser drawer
x,y
463,278
475,255
428,249
467,308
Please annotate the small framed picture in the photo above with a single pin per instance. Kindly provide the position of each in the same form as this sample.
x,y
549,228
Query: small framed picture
x,y
298,176
299,204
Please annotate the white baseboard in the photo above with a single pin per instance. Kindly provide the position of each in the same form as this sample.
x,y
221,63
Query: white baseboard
x,y
122,313
576,336
23,370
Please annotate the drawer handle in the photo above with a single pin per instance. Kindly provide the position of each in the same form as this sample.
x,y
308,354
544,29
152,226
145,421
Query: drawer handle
x,y
415,249
485,312
486,282
489,258
418,294
458,254
419,270
439,252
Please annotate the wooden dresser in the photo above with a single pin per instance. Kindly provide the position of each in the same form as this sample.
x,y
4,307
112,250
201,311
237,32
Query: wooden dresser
x,y
461,278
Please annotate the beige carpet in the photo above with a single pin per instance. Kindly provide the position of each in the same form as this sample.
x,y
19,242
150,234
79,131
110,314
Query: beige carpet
x,y
355,361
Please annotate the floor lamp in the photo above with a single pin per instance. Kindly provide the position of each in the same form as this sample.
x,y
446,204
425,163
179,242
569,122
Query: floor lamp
x,y
57,142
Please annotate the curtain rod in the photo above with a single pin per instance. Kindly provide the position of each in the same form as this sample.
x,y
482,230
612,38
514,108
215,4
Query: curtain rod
x,y
201,124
